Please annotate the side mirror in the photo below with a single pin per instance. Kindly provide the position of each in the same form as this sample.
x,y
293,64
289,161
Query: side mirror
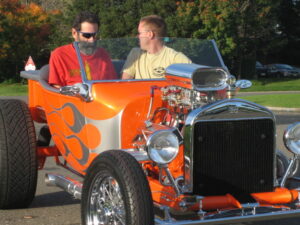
x,y
243,84
77,90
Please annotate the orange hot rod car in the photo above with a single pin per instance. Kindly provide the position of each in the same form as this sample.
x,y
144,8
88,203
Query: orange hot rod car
x,y
182,147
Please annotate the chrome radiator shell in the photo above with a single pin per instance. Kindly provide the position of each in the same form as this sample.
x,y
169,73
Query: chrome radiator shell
x,y
224,111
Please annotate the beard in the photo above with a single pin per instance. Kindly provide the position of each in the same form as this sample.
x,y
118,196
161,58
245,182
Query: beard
x,y
87,48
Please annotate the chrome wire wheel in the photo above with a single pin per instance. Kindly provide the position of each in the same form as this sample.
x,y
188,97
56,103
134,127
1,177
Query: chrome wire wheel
x,y
116,192
106,204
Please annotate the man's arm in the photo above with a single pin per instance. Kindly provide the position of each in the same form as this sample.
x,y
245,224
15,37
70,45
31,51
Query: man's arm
x,y
56,86
126,76
182,58
128,71
54,79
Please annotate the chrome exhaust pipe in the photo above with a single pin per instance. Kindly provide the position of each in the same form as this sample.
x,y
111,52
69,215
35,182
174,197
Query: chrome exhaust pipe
x,y
69,185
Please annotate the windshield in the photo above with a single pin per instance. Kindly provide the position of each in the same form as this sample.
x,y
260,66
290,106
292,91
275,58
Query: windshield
x,y
203,52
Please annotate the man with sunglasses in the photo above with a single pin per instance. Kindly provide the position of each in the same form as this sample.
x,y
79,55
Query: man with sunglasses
x,y
64,65
151,59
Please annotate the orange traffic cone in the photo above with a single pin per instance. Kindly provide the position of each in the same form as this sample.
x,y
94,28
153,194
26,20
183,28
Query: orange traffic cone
x,y
30,64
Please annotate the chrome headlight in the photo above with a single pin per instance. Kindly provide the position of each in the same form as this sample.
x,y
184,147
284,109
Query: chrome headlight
x,y
291,138
162,146
231,80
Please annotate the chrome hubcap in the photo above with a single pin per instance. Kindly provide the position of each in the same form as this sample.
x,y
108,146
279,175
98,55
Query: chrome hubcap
x,y
106,204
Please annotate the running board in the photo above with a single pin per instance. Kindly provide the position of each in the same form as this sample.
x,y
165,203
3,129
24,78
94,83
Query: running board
x,y
221,218
74,187
69,185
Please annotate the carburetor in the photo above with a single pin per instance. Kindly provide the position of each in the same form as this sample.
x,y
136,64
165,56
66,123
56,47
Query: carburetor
x,y
177,96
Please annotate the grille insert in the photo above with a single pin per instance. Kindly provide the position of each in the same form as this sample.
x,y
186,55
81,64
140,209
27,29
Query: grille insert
x,y
235,157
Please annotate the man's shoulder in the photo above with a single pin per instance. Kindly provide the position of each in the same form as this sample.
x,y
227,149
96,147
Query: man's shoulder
x,y
171,51
63,49
176,55
134,54
136,51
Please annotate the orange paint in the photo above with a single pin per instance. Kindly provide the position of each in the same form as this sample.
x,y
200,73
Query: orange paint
x,y
167,196
279,196
76,128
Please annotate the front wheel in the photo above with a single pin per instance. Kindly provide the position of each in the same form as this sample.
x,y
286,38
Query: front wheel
x,y
282,162
116,192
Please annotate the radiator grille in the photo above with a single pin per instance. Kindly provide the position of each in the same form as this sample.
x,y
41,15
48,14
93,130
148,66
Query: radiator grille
x,y
233,157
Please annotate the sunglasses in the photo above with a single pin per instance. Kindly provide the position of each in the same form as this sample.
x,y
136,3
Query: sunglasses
x,y
87,35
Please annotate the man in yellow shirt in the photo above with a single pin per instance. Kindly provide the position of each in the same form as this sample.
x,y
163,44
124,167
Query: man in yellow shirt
x,y
151,59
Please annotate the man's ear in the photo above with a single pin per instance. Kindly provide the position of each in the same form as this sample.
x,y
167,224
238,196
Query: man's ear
x,y
152,35
74,34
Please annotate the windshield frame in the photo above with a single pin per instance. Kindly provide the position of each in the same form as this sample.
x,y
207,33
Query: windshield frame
x,y
212,46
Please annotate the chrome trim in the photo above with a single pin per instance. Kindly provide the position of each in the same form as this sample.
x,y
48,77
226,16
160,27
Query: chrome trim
x,y
291,138
69,185
289,170
79,90
228,109
229,220
217,86
124,81
183,69
82,70
193,71
105,200
219,55
171,179
140,156
83,74
153,133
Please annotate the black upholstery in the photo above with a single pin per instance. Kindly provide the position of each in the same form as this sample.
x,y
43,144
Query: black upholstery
x,y
44,79
118,65
44,73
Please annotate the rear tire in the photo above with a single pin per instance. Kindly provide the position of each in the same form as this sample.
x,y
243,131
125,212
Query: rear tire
x,y
18,160
116,191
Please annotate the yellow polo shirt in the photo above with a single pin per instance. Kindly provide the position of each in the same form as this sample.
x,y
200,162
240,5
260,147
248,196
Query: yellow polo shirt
x,y
143,65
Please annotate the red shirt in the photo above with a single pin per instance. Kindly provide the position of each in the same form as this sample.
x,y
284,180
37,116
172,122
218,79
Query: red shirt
x,y
65,69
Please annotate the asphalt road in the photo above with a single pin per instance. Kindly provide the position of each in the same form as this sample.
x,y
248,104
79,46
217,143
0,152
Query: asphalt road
x,y
52,206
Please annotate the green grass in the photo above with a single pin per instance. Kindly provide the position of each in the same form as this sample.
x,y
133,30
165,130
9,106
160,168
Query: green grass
x,y
276,100
274,85
16,89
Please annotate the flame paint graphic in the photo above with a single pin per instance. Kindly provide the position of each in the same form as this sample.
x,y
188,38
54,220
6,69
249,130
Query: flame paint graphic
x,y
70,134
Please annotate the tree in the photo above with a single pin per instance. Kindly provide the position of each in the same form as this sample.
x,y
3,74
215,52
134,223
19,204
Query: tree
x,y
288,31
185,20
238,26
119,18
25,31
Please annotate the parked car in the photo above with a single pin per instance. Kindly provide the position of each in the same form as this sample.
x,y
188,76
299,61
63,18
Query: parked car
x,y
182,144
297,69
281,70
261,70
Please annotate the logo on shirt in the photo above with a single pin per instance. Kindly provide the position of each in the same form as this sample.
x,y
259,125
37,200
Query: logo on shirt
x,y
159,71
88,71
74,72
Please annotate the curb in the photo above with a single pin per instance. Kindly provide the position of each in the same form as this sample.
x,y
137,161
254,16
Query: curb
x,y
284,109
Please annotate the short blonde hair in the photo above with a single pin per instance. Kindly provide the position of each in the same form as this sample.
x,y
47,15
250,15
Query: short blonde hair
x,y
155,24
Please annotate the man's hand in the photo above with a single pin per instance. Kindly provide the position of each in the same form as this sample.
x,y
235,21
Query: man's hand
x,y
56,86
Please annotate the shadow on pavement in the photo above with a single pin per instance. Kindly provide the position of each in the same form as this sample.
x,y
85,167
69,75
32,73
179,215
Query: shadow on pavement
x,y
53,199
